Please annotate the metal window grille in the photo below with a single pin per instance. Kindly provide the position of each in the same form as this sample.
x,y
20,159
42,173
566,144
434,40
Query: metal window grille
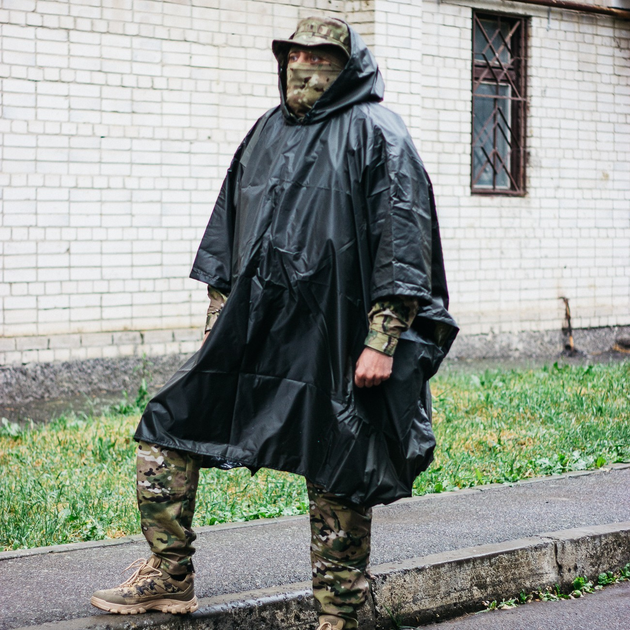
x,y
498,104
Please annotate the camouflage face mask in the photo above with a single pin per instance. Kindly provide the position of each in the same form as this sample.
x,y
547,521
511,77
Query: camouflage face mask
x,y
307,82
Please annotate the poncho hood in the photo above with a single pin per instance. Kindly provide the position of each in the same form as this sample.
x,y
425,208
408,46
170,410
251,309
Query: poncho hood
x,y
359,82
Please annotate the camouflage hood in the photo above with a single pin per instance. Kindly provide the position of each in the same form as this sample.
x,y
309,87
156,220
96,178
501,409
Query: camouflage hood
x,y
359,82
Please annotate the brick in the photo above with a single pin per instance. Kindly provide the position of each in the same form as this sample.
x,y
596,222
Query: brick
x,y
10,358
150,337
31,343
7,345
22,317
19,5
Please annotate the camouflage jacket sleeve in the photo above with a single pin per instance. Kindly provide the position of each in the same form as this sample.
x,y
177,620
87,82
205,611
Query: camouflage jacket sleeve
x,y
217,302
389,318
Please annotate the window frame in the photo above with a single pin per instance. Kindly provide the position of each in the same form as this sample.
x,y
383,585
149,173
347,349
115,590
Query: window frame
x,y
514,75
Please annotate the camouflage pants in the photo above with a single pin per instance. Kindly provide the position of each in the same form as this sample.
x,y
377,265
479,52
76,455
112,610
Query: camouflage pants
x,y
340,552
340,530
167,487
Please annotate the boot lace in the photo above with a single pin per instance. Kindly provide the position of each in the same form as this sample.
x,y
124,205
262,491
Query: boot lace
x,y
140,565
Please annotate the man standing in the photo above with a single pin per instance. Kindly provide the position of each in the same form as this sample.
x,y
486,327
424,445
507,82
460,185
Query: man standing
x,y
327,316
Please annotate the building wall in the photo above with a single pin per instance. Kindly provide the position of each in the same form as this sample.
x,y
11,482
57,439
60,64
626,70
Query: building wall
x,y
511,259
119,118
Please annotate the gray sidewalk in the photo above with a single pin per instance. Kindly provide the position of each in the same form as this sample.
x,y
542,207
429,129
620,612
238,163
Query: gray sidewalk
x,y
604,610
233,560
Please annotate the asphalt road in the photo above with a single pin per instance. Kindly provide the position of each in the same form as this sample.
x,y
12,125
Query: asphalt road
x,y
237,558
608,609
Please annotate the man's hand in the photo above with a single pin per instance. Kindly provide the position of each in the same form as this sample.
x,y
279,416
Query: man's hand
x,y
205,337
372,368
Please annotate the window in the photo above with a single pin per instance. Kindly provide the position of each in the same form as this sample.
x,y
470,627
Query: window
x,y
498,105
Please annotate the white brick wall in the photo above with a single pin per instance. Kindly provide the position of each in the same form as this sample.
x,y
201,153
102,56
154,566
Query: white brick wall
x,y
509,260
119,118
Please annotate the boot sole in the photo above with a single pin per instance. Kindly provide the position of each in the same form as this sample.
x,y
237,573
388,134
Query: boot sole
x,y
163,605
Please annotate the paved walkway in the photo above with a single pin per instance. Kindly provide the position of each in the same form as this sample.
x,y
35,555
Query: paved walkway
x,y
244,557
604,610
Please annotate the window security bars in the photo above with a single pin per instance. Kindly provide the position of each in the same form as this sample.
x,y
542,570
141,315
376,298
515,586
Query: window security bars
x,y
498,106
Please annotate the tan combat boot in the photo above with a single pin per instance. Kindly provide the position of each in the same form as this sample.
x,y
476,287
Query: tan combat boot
x,y
330,622
149,588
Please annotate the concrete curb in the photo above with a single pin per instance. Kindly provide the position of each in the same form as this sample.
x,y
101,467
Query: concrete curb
x,y
415,591
423,590
125,540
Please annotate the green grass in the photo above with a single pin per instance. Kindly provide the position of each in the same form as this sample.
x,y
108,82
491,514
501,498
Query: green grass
x,y
72,479
502,426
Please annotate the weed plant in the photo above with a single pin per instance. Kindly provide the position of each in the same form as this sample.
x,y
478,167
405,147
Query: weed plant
x,y
580,587
73,478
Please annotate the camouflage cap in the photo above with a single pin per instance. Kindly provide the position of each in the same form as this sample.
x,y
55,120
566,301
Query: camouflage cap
x,y
315,31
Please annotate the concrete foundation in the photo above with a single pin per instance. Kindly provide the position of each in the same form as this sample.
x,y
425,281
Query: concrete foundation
x,y
27,390
539,345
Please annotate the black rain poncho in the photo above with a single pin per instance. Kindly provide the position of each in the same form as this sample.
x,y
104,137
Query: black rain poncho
x,y
317,218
